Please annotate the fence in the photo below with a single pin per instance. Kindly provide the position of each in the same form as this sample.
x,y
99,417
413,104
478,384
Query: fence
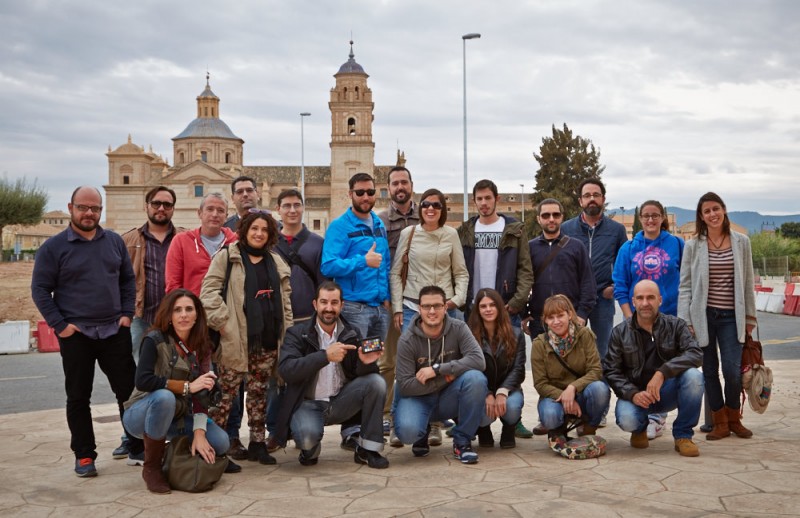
x,y
772,266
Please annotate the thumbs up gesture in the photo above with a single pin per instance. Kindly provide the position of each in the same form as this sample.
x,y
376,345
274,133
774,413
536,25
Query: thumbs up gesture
x,y
373,258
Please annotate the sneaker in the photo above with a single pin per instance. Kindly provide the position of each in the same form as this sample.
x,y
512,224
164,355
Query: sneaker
x,y
447,424
435,435
686,448
232,467
373,459
387,427
237,450
349,443
539,429
394,442
422,447
522,432
305,458
122,450
706,428
257,451
135,459
85,467
464,453
654,429
602,422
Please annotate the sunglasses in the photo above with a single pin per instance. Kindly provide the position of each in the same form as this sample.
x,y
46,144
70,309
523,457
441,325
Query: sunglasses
x,y
550,215
158,204
431,204
259,211
362,192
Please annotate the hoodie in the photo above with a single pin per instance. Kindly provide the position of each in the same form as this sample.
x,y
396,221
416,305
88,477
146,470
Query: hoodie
x,y
188,260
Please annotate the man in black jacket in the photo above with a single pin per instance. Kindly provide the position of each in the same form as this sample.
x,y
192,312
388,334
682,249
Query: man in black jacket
x,y
329,379
652,366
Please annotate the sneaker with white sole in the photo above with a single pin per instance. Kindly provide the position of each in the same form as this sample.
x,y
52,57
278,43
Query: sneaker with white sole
x,y
654,429
464,453
435,435
135,459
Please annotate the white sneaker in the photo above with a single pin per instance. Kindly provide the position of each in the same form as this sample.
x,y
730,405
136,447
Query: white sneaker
x,y
602,422
654,429
435,436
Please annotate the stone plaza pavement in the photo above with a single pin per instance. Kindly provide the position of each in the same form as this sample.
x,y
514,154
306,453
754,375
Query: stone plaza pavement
x,y
732,477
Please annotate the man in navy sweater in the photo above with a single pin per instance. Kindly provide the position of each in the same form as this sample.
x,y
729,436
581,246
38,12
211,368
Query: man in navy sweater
x,y
84,287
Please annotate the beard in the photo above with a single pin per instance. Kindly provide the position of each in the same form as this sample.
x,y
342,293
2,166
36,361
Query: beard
x,y
159,219
328,317
357,206
593,210
401,196
84,227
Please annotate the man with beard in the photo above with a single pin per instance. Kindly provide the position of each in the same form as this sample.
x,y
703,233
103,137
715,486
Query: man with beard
x,y
84,287
330,380
245,196
401,213
603,237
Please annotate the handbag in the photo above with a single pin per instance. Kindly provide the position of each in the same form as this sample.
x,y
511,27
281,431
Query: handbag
x,y
756,377
404,267
187,472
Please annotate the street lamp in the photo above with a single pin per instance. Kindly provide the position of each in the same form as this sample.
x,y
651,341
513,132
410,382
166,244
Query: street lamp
x,y
302,157
522,201
464,39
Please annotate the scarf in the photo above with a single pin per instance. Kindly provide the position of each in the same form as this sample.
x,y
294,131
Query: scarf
x,y
562,346
264,313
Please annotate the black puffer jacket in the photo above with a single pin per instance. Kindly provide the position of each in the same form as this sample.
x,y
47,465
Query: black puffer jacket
x,y
676,347
502,375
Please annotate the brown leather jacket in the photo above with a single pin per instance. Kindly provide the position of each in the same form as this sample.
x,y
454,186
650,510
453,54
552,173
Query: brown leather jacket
x,y
135,242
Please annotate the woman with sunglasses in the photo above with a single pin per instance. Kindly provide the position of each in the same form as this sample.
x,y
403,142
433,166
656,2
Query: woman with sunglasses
x,y
252,320
164,404
652,254
504,351
434,256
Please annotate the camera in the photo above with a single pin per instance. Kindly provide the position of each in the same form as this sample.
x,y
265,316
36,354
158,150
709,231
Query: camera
x,y
208,398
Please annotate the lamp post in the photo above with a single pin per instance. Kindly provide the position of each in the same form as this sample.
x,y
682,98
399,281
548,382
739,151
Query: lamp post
x,y
302,157
522,201
464,39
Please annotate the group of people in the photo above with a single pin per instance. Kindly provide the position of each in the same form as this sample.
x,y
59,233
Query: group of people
x,y
395,324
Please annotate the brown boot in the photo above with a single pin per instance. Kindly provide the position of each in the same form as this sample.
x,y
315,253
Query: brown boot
x,y
151,470
639,439
735,423
721,430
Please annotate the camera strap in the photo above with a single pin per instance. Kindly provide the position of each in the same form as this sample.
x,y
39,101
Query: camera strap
x,y
190,356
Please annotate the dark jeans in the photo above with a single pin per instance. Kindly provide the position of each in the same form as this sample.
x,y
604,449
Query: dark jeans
x,y
722,333
115,358
235,415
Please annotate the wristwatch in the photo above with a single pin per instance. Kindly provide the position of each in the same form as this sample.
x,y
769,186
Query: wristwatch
x,y
436,368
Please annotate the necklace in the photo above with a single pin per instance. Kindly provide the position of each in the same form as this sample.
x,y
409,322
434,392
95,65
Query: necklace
x,y
717,246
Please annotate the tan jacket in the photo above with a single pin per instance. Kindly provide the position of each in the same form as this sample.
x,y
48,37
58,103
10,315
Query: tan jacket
x,y
228,317
135,242
550,378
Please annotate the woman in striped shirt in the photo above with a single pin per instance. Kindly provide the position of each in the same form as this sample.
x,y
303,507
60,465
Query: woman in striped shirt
x,y
717,299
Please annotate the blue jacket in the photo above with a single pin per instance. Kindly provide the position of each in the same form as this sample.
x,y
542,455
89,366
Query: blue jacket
x,y
602,241
658,260
347,241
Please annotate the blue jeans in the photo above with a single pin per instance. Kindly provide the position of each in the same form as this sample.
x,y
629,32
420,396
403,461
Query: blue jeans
x,y
601,320
139,329
369,320
722,332
684,392
274,398
154,415
464,398
364,394
593,401
514,405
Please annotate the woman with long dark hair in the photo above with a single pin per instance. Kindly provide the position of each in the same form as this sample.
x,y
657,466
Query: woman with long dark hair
x,y
504,351
166,401
717,299
252,320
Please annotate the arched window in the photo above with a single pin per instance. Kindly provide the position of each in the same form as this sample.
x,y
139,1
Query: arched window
x,y
204,156
205,111
181,157
212,112
227,158
357,94
351,126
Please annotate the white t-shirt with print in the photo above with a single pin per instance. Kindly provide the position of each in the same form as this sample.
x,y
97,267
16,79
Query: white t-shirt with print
x,y
487,245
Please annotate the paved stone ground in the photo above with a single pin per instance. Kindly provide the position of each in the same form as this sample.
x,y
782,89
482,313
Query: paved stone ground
x,y
732,477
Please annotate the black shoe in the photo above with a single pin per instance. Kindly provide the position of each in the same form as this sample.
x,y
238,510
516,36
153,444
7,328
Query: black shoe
x,y
485,438
232,467
257,451
507,439
372,459
421,448
349,443
305,461
122,450
237,451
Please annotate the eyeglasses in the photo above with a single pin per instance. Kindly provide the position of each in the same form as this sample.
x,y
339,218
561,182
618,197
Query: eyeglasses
x,y
591,195
97,209
428,307
550,215
290,206
654,217
245,190
158,204
431,204
260,211
362,192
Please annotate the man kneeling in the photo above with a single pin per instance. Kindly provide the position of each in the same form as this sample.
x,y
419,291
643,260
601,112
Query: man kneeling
x,y
329,379
439,373
652,365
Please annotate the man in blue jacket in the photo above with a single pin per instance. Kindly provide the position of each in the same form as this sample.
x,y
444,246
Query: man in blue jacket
x,y
603,237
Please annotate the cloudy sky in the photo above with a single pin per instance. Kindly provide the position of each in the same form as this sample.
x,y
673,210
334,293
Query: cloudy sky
x,y
680,97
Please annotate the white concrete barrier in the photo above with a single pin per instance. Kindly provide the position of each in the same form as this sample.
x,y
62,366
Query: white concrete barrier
x,y
15,336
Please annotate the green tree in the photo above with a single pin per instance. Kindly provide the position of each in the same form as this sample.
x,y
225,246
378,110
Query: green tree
x,y
637,222
790,229
20,204
565,160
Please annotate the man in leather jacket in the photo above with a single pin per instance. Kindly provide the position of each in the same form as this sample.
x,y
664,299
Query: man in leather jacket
x,y
652,366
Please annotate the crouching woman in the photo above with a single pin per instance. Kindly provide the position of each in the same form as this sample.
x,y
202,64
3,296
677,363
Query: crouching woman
x,y
165,403
566,370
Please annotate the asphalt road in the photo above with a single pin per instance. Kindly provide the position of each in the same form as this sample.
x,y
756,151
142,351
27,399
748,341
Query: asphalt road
x,y
35,381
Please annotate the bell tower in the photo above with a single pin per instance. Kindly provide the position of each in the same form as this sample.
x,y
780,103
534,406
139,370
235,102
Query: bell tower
x,y
352,148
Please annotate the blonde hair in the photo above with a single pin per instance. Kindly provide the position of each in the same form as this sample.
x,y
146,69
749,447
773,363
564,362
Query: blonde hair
x,y
557,304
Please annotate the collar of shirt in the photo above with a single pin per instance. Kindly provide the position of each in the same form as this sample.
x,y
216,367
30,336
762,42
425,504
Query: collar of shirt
x,y
326,339
74,236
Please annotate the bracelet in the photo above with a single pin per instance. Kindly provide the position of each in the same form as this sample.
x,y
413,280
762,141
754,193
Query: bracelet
x,y
185,388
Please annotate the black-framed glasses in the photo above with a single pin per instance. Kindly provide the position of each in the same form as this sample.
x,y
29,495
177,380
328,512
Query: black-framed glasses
x,y
428,307
260,211
362,192
654,217
97,209
158,204
550,215
591,195
431,204
244,190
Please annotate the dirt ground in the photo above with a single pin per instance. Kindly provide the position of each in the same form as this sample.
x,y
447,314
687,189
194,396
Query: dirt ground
x,y
15,285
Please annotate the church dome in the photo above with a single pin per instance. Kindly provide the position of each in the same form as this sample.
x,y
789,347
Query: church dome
x,y
207,127
350,66
128,148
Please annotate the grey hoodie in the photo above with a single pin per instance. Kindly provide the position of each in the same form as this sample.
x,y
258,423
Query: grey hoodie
x,y
456,351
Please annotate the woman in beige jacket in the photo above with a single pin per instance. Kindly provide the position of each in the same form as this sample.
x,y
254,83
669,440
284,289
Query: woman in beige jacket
x,y
252,320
